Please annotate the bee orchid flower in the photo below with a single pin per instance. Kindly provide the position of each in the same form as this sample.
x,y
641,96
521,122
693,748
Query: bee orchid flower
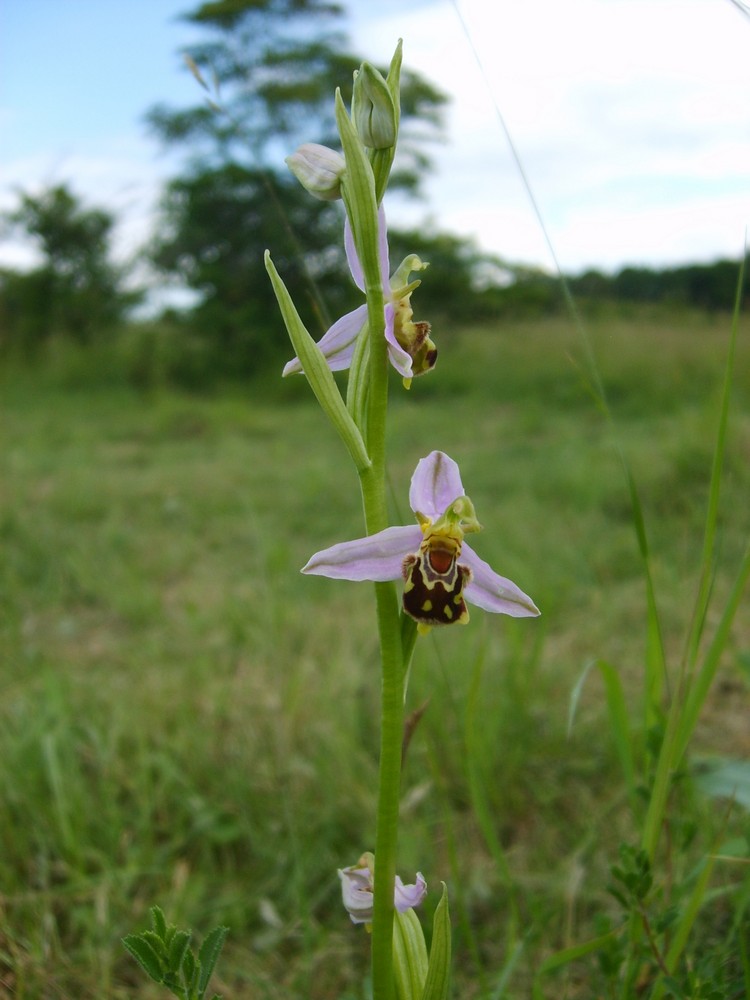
x,y
441,572
410,349
357,890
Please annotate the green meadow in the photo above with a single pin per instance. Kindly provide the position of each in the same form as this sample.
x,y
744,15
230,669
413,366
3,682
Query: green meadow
x,y
186,720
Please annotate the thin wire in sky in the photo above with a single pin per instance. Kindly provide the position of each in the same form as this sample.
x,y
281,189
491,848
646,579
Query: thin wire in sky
x,y
598,386
508,136
741,6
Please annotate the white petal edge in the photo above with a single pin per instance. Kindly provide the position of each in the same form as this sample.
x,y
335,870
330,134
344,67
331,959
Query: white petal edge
x,y
375,557
492,592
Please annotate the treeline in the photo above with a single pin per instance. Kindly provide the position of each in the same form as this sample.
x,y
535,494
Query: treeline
x,y
218,223
235,198
702,286
707,286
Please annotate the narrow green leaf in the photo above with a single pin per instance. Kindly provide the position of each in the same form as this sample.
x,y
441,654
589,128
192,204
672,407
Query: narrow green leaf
x,y
567,955
478,786
145,955
169,933
509,966
156,943
158,921
712,508
317,371
393,79
620,723
656,663
209,954
702,683
575,695
190,971
684,924
409,956
177,950
745,959
618,716
438,982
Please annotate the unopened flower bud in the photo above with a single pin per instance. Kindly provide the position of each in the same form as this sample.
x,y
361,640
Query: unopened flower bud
x,y
373,109
318,169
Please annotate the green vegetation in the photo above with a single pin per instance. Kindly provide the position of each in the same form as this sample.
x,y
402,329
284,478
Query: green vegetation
x,y
185,720
75,292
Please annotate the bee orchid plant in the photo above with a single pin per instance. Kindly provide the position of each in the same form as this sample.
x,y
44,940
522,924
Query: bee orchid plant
x,y
424,573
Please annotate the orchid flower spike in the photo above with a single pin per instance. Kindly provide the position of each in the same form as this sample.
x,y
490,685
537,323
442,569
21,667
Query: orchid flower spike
x,y
440,571
357,890
410,349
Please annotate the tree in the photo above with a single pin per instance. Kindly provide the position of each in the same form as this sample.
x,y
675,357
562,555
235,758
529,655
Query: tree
x,y
273,67
217,224
76,291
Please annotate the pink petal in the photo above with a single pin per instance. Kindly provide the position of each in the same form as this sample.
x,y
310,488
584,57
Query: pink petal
x,y
494,593
398,357
376,557
337,343
356,893
351,254
407,896
436,483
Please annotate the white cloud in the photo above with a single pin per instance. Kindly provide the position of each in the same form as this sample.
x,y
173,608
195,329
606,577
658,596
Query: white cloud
x,y
630,117
629,111
123,175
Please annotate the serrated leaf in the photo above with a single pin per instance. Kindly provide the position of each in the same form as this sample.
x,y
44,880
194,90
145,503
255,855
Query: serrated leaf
x,y
172,982
158,921
438,982
190,970
177,950
156,943
145,956
209,954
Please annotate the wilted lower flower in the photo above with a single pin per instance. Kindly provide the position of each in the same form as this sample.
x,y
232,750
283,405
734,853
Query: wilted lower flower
x,y
440,571
357,890
410,349
318,169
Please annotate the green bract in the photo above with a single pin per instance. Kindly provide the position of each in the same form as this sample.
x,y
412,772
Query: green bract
x,y
373,110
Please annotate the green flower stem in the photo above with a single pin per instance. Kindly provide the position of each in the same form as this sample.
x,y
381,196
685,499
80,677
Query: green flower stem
x,y
389,787
360,200
391,653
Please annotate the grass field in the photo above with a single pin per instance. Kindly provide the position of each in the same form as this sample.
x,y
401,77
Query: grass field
x,y
186,720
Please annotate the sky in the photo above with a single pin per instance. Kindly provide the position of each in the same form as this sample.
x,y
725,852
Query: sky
x,y
629,119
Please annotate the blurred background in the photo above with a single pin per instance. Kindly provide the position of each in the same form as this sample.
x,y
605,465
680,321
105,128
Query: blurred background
x,y
126,195
186,720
